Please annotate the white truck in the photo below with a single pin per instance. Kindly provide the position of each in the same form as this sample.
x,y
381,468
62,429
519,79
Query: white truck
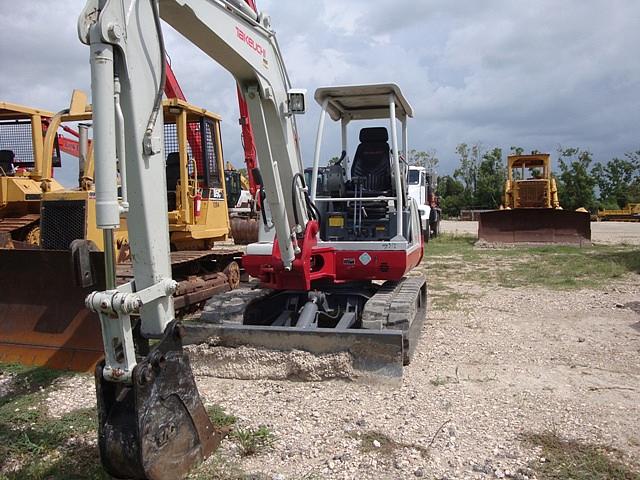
x,y
422,188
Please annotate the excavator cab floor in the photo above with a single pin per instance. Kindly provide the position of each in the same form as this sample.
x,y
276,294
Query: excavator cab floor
x,y
535,226
156,428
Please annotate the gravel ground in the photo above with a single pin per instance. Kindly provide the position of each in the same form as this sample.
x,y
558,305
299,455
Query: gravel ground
x,y
510,362
601,232
504,363
497,365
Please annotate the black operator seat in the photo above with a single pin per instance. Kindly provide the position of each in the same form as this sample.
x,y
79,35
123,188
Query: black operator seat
x,y
173,175
372,160
6,162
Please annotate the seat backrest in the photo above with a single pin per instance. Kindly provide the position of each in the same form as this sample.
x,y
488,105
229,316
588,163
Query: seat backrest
x,y
371,160
173,171
173,175
6,161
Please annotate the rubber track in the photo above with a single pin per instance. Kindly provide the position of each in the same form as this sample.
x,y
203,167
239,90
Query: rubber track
x,y
394,305
229,307
404,305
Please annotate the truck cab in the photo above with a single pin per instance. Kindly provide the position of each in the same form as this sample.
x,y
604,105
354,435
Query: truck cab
x,y
421,187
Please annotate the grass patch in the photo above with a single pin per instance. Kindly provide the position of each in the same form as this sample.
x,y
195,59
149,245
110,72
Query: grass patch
x,y
251,441
41,447
36,446
219,417
455,258
440,381
27,379
568,459
217,467
447,300
387,446
448,244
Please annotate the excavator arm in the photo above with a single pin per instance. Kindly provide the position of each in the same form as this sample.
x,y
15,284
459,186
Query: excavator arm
x,y
152,422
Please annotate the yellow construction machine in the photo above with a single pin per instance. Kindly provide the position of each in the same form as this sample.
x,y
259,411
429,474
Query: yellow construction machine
x,y
43,319
630,213
23,167
531,212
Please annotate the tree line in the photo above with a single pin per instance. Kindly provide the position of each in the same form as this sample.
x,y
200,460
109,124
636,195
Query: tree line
x,y
478,181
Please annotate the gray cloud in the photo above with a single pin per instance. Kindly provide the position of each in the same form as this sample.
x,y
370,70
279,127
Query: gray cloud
x,y
536,74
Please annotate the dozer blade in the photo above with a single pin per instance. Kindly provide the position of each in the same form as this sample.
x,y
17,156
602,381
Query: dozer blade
x,y
379,344
156,428
535,225
43,320
373,353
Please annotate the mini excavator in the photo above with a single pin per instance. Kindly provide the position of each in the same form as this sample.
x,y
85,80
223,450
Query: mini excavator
x,y
334,269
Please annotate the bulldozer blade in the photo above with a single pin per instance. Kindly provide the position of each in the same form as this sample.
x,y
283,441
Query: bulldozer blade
x,y
376,353
156,428
535,225
43,320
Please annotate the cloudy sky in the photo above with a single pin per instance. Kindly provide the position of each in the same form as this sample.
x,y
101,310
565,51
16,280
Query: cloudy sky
x,y
536,74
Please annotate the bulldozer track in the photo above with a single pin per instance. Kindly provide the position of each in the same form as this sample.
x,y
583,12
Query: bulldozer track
x,y
12,224
194,287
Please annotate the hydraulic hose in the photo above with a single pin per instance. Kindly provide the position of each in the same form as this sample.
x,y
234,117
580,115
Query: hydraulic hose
x,y
157,104
312,211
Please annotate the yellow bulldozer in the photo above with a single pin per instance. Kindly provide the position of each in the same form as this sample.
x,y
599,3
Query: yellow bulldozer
x,y
22,170
531,212
43,319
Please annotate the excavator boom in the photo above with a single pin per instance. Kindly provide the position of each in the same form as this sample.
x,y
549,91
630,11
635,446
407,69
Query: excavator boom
x,y
141,434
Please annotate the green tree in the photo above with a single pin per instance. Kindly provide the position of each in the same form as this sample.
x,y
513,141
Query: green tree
x,y
452,196
619,180
491,178
576,184
467,171
517,150
427,159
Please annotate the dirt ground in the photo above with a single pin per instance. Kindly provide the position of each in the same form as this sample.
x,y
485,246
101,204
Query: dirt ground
x,y
492,367
495,364
610,233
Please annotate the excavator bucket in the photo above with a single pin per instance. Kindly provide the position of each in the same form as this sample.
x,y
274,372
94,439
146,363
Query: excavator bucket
x,y
43,320
156,428
535,225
